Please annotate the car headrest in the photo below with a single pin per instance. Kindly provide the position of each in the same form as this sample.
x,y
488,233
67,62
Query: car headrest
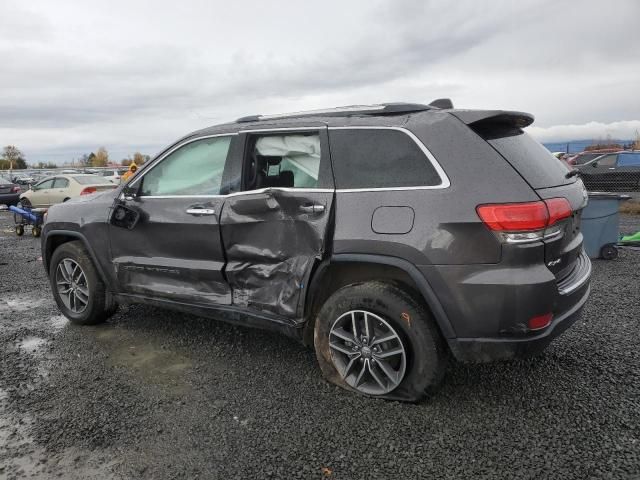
x,y
270,159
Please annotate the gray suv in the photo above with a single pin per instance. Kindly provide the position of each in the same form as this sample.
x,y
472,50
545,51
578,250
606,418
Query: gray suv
x,y
390,237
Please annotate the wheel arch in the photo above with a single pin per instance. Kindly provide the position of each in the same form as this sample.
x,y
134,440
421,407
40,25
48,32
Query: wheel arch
x,y
345,269
55,238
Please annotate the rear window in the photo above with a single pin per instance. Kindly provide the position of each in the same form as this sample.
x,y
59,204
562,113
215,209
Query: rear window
x,y
92,180
533,161
379,158
5,180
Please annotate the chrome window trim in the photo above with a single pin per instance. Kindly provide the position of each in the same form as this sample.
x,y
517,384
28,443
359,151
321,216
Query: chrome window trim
x,y
444,179
247,192
165,155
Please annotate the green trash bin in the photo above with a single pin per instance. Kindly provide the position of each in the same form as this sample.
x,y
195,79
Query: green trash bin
x,y
601,224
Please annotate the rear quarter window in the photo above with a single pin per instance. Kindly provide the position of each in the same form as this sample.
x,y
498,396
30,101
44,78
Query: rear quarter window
x,y
379,158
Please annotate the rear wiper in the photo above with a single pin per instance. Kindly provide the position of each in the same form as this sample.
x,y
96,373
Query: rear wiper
x,y
572,173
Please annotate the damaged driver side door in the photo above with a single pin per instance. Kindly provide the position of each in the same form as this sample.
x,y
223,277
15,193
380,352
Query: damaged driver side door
x,y
275,229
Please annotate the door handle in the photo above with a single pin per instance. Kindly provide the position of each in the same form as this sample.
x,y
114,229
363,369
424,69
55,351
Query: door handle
x,y
312,208
201,211
612,168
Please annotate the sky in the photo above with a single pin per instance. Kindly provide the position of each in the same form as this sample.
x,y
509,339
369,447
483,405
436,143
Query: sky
x,y
135,75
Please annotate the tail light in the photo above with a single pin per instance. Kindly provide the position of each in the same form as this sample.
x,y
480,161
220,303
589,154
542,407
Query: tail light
x,y
527,221
16,189
540,322
88,191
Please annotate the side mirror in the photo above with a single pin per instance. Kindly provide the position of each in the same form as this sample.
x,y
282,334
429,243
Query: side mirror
x,y
124,216
131,192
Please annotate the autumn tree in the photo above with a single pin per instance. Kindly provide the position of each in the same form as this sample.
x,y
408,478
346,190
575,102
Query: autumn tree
x,y
101,158
13,157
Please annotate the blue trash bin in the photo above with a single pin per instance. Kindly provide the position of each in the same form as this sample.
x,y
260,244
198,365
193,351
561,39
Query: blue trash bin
x,y
601,224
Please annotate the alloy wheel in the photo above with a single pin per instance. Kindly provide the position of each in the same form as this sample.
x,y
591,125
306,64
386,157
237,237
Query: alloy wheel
x,y
367,352
71,282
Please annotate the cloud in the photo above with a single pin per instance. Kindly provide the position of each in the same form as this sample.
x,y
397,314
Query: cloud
x,y
624,130
137,74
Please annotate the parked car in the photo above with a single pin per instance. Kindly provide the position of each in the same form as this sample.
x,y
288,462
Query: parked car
x,y
9,192
61,188
389,237
113,175
584,157
612,172
23,179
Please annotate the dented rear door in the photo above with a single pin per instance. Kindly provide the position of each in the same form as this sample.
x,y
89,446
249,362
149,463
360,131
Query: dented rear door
x,y
272,238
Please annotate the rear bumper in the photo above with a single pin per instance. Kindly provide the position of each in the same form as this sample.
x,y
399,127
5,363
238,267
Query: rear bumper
x,y
476,350
9,198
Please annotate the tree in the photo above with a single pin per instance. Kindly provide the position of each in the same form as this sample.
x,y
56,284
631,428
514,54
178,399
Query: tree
x,y
101,158
636,144
139,158
14,157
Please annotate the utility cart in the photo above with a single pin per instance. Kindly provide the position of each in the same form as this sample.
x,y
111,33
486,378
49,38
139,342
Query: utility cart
x,y
28,216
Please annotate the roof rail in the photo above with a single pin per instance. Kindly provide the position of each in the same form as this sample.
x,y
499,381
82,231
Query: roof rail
x,y
378,109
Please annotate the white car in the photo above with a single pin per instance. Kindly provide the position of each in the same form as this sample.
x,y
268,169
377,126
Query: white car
x,y
61,188
112,175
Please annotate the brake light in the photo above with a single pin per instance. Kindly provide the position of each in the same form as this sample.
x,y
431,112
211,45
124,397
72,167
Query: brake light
x,y
88,191
16,189
540,322
525,221
559,209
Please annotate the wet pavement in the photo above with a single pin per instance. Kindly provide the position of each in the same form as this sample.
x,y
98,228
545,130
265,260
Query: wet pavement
x,y
162,395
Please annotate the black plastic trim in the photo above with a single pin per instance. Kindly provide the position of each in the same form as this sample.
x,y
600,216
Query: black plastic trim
x,y
70,233
419,279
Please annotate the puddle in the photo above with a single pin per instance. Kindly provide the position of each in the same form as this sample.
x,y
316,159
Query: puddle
x,y
153,363
20,304
31,344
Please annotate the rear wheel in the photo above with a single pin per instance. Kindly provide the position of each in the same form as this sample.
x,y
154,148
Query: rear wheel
x,y
375,339
77,288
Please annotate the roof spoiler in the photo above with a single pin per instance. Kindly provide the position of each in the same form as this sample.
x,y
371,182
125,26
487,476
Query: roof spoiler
x,y
482,118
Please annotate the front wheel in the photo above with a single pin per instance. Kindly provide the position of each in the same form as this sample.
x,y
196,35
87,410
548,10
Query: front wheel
x,y
77,288
375,339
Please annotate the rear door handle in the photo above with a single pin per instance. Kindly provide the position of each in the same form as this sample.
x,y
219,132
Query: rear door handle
x,y
312,208
201,211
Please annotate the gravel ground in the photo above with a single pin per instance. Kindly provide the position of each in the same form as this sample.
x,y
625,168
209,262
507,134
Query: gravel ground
x,y
155,394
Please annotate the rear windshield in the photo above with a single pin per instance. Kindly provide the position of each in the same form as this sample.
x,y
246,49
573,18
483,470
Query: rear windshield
x,y
92,180
534,162
5,180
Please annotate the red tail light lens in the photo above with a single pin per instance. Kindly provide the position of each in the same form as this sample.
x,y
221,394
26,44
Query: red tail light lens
x,y
514,217
16,189
524,217
540,322
88,190
559,208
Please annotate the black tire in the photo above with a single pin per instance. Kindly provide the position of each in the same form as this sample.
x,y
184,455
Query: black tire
x,y
24,203
425,349
609,252
19,230
100,305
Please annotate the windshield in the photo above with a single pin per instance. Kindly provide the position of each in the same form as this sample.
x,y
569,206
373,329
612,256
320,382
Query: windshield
x,y
92,180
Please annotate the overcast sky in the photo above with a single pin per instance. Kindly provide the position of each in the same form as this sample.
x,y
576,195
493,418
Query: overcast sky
x,y
135,75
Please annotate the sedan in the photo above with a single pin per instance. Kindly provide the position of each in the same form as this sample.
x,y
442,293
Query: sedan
x,y
9,192
61,188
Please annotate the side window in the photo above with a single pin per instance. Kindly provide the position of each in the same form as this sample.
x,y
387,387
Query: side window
x,y
379,158
284,160
194,169
61,183
608,161
45,184
629,160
